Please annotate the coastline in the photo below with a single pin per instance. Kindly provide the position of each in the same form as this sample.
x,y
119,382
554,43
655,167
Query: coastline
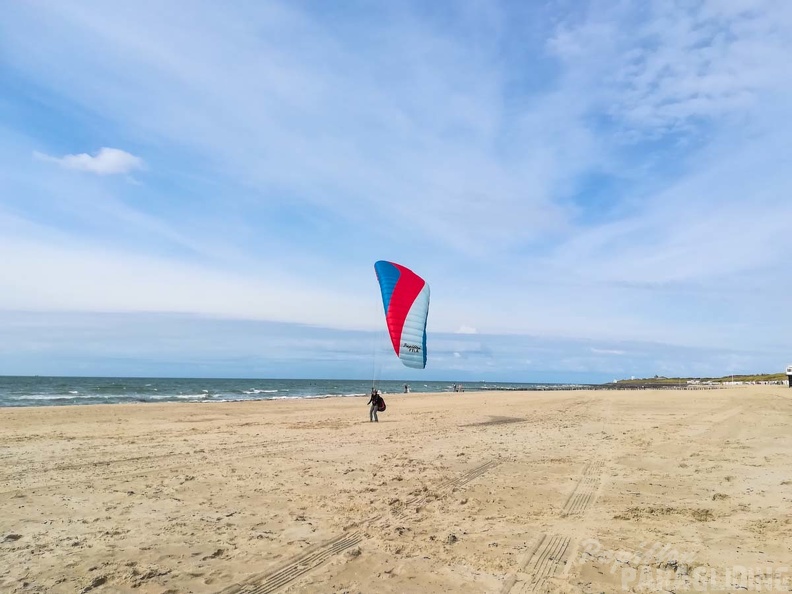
x,y
65,391
450,491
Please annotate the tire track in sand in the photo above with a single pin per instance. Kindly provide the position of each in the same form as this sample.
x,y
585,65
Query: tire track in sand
x,y
317,555
545,562
585,491
449,485
551,555
264,583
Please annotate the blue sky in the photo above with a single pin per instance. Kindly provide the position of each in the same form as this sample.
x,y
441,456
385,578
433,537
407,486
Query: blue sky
x,y
592,189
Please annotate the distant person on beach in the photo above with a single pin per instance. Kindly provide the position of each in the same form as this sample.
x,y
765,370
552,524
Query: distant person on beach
x,y
374,402
406,388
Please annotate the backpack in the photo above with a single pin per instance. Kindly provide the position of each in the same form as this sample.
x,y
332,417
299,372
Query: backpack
x,y
381,405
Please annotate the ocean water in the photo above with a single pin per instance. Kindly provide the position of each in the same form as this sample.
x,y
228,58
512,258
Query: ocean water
x,y
59,391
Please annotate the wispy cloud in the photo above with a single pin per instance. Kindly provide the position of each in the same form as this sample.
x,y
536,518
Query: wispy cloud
x,y
154,344
606,351
106,161
667,67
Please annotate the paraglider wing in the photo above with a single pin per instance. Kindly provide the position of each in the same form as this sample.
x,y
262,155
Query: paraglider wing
x,y
405,296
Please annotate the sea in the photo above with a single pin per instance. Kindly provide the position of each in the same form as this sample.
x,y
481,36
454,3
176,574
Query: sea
x,y
60,391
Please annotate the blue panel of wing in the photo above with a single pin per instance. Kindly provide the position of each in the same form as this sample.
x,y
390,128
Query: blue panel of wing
x,y
388,276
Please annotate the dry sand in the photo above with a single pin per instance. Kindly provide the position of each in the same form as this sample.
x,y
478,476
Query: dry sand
x,y
474,492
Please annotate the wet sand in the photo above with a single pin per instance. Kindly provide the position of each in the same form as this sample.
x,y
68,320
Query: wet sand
x,y
579,491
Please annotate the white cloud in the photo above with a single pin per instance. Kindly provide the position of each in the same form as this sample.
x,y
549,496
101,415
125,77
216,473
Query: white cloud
x,y
106,161
466,330
606,351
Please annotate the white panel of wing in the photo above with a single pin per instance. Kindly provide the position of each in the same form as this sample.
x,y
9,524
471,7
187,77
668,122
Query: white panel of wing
x,y
411,345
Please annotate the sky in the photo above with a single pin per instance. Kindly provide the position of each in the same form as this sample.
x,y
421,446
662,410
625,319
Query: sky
x,y
592,189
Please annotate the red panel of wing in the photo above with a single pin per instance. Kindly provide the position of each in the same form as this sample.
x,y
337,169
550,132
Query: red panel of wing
x,y
404,294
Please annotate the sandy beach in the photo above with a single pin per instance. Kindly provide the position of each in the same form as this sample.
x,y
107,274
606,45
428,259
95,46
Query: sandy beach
x,y
579,491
